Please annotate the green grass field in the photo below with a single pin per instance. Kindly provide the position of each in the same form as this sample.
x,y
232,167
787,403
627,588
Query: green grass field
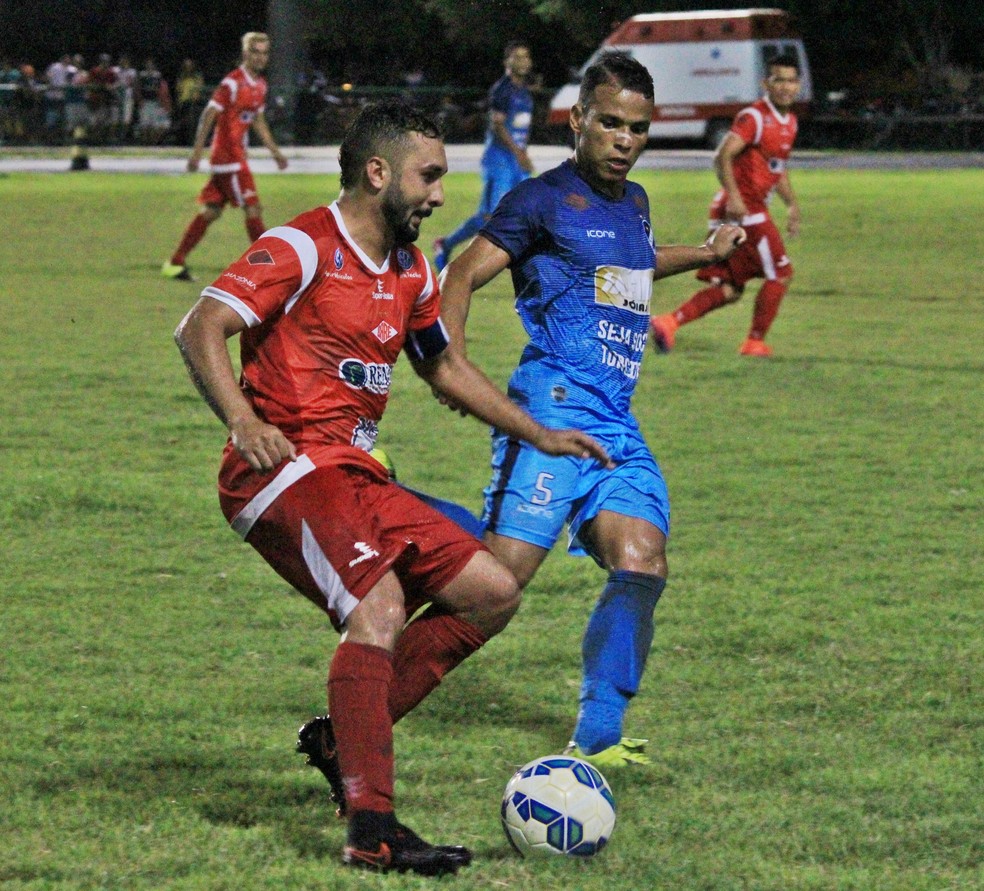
x,y
814,692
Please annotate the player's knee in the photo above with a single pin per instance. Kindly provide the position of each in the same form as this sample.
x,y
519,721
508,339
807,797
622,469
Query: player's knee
x,y
732,293
211,212
499,603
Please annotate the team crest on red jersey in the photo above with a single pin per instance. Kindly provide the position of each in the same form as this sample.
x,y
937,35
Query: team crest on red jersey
x,y
404,258
260,258
384,331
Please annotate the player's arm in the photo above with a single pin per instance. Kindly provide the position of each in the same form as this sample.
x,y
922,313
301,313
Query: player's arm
x,y
206,122
473,268
262,129
720,244
202,339
784,188
724,160
497,121
464,384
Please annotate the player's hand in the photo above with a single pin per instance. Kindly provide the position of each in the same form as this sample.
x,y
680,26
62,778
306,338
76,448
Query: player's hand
x,y
725,240
449,403
193,163
261,445
793,220
525,161
281,161
572,442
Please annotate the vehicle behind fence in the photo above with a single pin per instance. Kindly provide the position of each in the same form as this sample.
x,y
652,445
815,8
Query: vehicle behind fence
x,y
35,114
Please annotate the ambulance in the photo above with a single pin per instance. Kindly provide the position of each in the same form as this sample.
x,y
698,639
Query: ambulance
x,y
706,66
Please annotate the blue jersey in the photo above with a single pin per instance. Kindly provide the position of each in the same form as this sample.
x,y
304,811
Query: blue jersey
x,y
582,267
516,103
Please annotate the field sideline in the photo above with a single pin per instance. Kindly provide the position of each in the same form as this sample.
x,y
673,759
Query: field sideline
x,y
814,697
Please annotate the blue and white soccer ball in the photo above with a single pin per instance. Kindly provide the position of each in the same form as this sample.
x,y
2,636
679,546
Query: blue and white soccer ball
x,y
558,805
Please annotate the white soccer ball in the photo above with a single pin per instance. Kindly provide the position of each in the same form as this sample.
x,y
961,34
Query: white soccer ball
x,y
558,805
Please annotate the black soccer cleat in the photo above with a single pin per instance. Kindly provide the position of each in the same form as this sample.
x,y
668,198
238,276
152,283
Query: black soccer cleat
x,y
316,739
402,850
412,841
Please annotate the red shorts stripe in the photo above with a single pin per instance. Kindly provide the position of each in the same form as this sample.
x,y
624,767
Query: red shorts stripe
x,y
237,189
338,530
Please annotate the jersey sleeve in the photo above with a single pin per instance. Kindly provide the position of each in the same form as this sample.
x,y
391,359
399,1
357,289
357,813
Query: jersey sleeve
x,y
273,273
518,219
426,335
223,95
748,125
499,96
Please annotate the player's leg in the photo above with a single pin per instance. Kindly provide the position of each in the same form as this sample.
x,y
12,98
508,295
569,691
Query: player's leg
x,y
622,521
619,632
249,200
336,535
722,288
359,681
212,199
777,272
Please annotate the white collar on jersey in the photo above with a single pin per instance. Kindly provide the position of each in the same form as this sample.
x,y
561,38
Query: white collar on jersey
x,y
363,256
782,118
249,78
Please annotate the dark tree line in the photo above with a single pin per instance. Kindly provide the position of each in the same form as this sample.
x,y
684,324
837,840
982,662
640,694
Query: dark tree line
x,y
870,46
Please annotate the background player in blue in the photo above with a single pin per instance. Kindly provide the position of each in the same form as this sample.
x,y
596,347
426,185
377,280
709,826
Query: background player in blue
x,y
505,162
578,242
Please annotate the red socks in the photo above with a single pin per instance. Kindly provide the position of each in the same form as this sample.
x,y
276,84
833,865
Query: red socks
x,y
368,690
766,307
429,647
358,688
196,231
700,304
193,234
254,228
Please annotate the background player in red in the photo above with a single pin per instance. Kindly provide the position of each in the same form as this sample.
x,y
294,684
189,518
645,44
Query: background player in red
x,y
323,306
236,105
751,164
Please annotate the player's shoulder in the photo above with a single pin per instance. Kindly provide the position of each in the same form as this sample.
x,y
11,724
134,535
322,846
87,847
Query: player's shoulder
x,y
315,221
312,234
637,195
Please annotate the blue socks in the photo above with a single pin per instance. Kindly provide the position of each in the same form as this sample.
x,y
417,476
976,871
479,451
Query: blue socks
x,y
614,652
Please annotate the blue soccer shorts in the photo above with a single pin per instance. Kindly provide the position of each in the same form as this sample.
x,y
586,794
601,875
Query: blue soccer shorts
x,y
532,495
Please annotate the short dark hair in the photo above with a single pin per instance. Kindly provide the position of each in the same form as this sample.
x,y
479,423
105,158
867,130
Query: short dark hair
x,y
619,69
513,45
784,60
376,130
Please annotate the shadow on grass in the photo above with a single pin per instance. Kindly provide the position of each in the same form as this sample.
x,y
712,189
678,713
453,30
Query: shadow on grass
x,y
211,783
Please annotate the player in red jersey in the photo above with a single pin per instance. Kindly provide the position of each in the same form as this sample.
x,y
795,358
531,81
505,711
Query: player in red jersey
x,y
322,307
236,106
751,164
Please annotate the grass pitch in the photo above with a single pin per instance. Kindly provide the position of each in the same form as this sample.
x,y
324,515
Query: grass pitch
x,y
814,691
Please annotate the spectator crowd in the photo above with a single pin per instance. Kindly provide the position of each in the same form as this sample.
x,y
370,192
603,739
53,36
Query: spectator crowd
x,y
105,102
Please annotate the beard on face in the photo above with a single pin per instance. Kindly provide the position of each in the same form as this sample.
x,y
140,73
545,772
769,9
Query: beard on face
x,y
397,212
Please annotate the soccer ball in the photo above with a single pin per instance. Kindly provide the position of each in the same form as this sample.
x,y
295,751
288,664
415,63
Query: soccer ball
x,y
558,805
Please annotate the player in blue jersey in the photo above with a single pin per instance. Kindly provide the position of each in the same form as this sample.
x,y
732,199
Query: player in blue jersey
x,y
505,162
578,242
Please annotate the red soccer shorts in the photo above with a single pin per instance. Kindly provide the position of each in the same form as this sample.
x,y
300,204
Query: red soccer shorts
x,y
763,255
335,532
237,189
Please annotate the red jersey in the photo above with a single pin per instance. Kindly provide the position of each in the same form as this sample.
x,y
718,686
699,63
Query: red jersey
x,y
239,99
326,326
769,138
